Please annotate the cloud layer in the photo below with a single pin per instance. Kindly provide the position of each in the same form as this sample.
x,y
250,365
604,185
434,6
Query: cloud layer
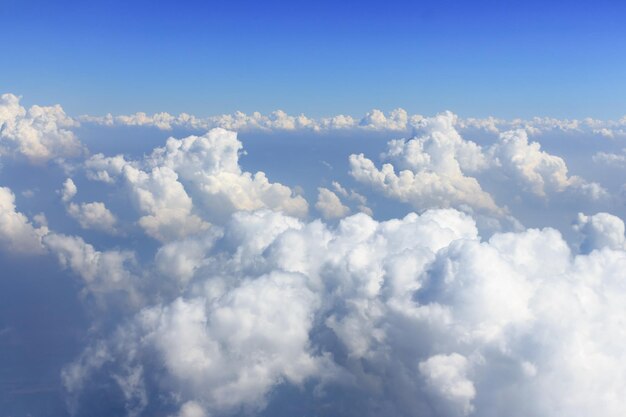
x,y
210,289
398,120
420,316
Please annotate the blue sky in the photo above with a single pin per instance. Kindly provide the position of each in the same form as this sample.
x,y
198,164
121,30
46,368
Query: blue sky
x,y
508,59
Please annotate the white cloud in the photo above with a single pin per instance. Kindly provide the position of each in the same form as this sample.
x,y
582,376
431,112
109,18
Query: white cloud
x,y
191,409
68,191
602,230
167,208
39,134
227,352
411,316
189,183
233,350
160,120
431,169
426,318
329,205
106,169
617,159
209,164
439,168
359,199
538,171
396,120
17,234
376,119
446,376
101,271
226,345
94,216
179,260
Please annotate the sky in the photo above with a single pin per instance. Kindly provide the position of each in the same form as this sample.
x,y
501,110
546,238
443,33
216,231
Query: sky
x,y
263,209
480,58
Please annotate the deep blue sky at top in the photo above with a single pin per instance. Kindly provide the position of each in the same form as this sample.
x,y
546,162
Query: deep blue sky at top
x,y
477,58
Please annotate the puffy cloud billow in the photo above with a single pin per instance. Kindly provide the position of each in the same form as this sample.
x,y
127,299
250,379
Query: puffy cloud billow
x,y
183,187
210,290
440,168
431,169
38,134
414,316
17,233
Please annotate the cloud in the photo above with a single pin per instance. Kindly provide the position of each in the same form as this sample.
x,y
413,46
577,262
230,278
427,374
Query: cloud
x,y
179,260
234,350
608,158
167,208
189,183
228,352
431,168
227,343
105,168
446,375
68,191
94,216
397,120
244,304
210,165
191,409
602,230
39,134
329,205
101,271
17,233
356,198
439,168
537,171
419,316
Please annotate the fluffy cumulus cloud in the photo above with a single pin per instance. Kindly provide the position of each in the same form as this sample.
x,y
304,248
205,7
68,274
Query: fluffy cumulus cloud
x,y
415,316
536,170
17,233
351,196
329,204
37,134
68,191
166,207
599,231
217,292
439,168
446,376
189,183
102,272
429,170
93,215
